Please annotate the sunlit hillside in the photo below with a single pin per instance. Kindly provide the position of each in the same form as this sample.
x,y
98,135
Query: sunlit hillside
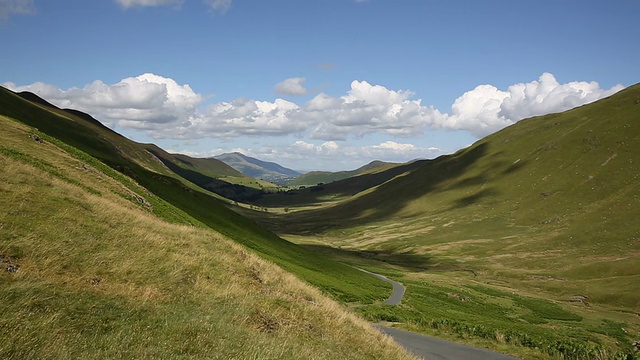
x,y
93,265
546,208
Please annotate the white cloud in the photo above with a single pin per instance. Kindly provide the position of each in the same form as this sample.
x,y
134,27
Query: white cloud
x,y
487,109
292,86
392,145
367,109
147,3
221,6
145,102
8,7
165,109
243,117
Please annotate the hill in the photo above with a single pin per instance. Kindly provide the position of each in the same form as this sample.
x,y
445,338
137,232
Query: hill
x,y
258,169
536,226
93,265
322,177
135,161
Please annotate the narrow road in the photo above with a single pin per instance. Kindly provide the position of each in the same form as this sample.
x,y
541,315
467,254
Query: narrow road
x,y
398,289
429,347
432,348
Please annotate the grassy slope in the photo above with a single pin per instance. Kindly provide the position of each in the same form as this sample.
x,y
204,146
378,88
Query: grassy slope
x,y
89,270
337,190
341,281
317,177
546,208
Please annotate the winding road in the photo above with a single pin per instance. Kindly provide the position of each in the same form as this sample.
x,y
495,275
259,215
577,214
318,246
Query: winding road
x,y
429,347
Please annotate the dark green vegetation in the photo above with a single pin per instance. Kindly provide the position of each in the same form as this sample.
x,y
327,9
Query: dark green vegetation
x,y
324,177
151,168
536,224
259,169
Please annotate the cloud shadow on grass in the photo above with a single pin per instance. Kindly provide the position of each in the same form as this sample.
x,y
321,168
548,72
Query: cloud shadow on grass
x,y
389,198
409,261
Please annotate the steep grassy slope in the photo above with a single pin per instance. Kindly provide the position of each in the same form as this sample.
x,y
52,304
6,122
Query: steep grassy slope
x,y
89,269
546,209
317,177
563,187
133,160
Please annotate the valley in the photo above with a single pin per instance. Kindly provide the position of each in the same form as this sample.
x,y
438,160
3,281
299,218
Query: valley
x,y
527,240
525,243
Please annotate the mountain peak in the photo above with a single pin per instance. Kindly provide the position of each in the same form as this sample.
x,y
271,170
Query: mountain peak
x,y
258,169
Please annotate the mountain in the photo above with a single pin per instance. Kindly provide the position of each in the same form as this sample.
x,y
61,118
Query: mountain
x,y
100,264
258,169
532,231
149,167
323,177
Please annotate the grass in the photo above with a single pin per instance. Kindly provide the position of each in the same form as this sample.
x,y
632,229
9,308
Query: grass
x,y
169,189
99,274
546,209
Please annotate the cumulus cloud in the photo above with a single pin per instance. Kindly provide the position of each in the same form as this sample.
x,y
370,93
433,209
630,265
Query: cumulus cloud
x,y
8,7
165,109
369,109
243,117
292,86
144,102
487,109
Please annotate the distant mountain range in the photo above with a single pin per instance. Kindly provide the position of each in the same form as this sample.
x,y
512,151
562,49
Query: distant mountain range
x,y
259,169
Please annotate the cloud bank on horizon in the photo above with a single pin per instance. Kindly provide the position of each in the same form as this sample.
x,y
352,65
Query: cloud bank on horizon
x,y
162,108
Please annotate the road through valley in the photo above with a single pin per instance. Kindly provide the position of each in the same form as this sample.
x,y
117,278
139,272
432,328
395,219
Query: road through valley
x,y
429,347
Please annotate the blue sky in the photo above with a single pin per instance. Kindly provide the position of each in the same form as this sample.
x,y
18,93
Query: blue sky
x,y
312,84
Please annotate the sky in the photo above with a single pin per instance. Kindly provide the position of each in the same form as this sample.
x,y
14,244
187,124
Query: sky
x,y
318,84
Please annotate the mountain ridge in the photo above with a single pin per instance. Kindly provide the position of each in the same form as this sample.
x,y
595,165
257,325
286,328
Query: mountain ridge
x,y
318,177
258,169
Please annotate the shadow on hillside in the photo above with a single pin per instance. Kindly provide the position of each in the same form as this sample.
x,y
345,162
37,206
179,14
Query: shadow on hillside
x,y
473,199
408,261
336,189
391,197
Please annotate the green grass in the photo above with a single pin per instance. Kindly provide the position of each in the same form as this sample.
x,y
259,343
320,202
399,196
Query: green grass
x,y
522,325
547,208
340,281
97,274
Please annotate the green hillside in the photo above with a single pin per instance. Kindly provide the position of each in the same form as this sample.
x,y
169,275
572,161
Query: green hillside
x,y
337,190
95,266
545,210
135,161
322,177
